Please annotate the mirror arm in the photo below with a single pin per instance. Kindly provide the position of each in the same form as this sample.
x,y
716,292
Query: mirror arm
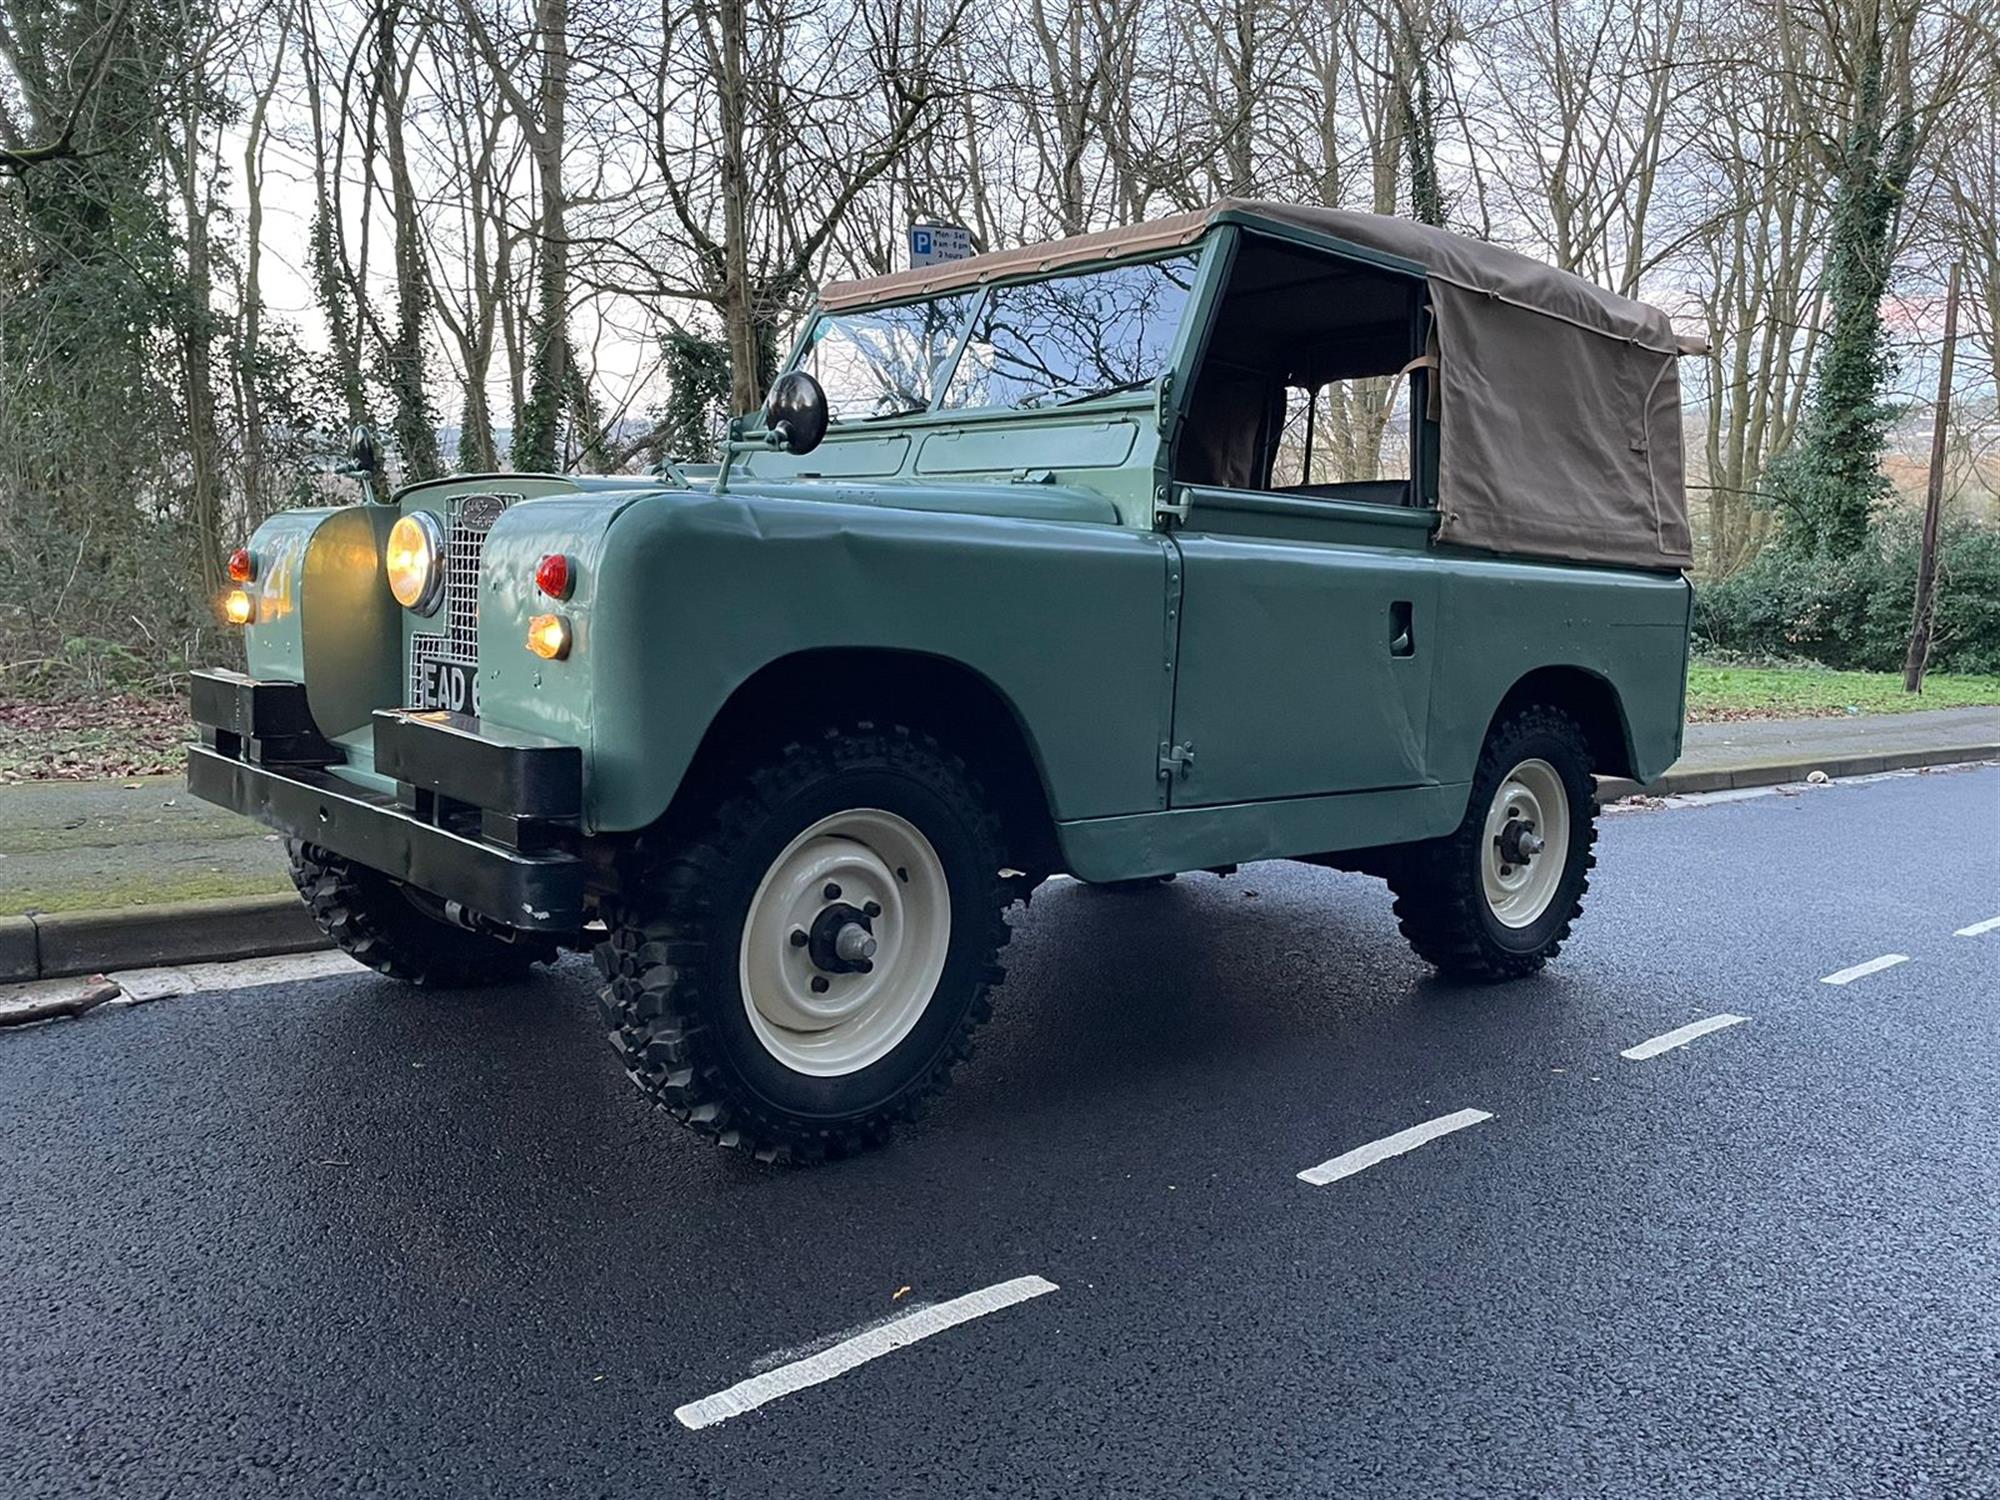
x,y
736,445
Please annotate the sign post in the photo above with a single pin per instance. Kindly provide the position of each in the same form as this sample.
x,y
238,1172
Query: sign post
x,y
933,244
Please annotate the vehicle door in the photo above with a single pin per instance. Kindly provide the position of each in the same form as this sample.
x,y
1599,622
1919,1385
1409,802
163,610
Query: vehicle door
x,y
1307,596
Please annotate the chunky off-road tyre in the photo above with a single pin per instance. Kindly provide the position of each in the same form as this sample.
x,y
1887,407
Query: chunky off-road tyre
x,y
370,919
1484,903
737,990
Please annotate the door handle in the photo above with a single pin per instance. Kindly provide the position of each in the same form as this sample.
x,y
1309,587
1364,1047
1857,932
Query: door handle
x,y
1402,629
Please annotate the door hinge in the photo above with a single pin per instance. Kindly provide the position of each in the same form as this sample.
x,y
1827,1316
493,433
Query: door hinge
x,y
1167,508
1176,760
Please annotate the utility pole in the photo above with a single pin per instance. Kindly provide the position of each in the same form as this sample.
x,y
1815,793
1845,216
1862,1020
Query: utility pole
x,y
1920,625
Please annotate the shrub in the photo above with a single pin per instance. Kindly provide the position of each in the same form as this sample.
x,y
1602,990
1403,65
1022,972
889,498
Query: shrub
x,y
1854,611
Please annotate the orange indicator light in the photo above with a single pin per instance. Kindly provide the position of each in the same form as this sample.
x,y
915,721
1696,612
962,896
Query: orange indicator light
x,y
548,637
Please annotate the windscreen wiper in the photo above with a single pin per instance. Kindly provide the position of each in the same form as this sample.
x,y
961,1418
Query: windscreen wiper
x,y
885,416
1108,390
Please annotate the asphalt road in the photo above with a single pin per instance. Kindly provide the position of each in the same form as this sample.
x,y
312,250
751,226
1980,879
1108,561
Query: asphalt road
x,y
333,1238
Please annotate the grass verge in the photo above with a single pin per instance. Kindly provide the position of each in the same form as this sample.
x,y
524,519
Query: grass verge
x,y
1730,692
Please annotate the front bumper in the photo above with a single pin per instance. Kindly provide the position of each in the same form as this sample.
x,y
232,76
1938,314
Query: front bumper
x,y
481,815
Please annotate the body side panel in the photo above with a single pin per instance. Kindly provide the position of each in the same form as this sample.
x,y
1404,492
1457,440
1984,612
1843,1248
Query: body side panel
x,y
695,593
1501,619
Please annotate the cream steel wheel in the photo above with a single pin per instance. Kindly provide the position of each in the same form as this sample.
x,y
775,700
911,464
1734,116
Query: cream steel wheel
x,y
845,942
796,961
1526,844
1495,898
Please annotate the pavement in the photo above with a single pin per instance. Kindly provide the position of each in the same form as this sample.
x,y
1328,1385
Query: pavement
x,y
98,852
1760,752
330,1236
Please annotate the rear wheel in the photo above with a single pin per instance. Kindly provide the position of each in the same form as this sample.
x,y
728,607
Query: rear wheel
x,y
1496,899
801,968
378,922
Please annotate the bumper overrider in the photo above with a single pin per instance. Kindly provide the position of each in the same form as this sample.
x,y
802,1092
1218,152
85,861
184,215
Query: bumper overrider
x,y
482,816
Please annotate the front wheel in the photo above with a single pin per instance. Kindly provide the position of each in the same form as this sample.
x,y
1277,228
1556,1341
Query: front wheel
x,y
1496,899
802,966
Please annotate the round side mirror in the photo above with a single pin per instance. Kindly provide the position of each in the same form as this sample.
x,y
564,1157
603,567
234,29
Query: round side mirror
x,y
361,452
795,413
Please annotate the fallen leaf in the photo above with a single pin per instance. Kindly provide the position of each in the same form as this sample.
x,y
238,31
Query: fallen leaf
x,y
901,1293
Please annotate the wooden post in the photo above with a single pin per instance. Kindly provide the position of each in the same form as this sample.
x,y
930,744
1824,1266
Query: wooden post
x,y
1920,624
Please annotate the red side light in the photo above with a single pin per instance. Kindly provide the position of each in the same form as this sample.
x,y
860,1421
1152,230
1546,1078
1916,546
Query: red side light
x,y
242,566
552,576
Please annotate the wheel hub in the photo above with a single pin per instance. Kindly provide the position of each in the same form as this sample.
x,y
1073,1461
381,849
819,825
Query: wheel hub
x,y
842,940
1518,841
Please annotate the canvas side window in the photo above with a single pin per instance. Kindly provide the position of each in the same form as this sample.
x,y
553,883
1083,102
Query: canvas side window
x,y
1346,432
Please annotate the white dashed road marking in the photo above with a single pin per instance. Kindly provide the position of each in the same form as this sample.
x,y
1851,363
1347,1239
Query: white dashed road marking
x,y
1680,1036
1977,928
872,1343
1862,971
1361,1158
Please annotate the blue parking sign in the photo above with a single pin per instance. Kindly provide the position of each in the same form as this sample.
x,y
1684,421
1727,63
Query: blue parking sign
x,y
932,243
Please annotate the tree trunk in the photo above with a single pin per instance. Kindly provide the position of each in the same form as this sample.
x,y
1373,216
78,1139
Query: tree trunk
x,y
1920,626
537,439
739,314
204,437
415,426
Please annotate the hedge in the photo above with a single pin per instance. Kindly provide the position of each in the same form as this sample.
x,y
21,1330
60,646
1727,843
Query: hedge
x,y
1854,612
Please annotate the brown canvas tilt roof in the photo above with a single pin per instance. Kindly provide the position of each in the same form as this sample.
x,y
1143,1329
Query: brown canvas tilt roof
x,y
1559,400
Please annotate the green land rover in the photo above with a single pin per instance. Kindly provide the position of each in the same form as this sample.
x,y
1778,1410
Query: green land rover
x,y
1254,532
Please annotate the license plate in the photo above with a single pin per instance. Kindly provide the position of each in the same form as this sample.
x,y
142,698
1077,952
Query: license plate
x,y
452,685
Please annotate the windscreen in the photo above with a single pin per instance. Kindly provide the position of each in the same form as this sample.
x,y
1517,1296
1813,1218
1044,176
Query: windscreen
x,y
1050,343
883,361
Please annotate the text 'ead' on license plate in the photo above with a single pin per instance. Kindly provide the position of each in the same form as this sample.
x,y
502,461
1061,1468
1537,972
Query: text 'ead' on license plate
x,y
452,685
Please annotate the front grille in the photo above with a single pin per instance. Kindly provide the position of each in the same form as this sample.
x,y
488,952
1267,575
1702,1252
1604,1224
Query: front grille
x,y
468,519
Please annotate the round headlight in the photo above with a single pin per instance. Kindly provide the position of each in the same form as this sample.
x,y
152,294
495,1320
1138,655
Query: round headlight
x,y
414,559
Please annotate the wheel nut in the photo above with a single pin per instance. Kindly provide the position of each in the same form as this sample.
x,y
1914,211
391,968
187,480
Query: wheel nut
x,y
872,908
820,984
800,937
832,891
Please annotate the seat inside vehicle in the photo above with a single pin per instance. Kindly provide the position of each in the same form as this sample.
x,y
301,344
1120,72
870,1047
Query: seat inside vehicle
x,y
1304,388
